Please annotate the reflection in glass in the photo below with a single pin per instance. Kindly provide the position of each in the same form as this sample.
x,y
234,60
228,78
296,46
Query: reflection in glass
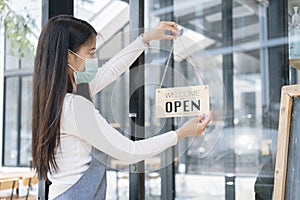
x,y
26,109
17,140
11,121
18,69
245,148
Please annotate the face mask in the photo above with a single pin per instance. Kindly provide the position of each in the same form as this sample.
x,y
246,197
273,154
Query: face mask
x,y
90,70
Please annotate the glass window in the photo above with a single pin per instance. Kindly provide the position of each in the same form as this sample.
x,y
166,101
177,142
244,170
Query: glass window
x,y
17,135
20,25
26,110
11,121
228,52
111,20
245,150
230,55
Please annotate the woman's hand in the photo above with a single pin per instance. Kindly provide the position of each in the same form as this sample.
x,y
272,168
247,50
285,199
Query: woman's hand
x,y
193,127
158,32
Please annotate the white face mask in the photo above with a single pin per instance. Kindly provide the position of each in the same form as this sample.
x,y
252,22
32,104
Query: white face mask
x,y
90,70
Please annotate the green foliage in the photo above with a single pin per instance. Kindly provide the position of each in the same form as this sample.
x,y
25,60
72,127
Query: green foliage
x,y
17,28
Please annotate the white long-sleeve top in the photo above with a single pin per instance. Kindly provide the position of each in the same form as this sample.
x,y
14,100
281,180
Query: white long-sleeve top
x,y
83,127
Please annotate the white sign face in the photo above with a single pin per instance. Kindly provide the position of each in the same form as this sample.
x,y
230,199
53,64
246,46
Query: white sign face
x,y
182,101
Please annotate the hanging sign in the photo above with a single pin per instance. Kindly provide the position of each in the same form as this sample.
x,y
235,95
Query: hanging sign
x,y
182,101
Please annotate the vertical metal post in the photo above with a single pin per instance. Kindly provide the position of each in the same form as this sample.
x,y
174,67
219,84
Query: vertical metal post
x,y
168,173
278,60
4,97
227,39
3,120
293,76
276,75
19,117
52,8
137,99
264,56
41,190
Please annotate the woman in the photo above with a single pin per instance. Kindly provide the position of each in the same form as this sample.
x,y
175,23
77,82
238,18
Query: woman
x,y
68,132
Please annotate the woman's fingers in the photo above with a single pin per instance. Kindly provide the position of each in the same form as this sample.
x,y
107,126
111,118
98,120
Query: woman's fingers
x,y
169,37
207,119
168,25
194,126
171,28
203,122
201,117
159,32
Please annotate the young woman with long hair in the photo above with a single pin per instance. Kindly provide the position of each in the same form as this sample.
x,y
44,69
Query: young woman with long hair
x,y
67,131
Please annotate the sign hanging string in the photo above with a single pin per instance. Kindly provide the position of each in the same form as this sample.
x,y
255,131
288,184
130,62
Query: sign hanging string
x,y
169,58
167,65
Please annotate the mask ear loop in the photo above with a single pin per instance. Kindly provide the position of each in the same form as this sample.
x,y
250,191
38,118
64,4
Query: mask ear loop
x,y
76,54
72,67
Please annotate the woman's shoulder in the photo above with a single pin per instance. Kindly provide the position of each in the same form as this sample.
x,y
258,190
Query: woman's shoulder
x,y
71,97
73,100
74,106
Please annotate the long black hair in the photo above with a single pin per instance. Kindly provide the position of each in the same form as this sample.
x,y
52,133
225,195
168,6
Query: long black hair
x,y
51,83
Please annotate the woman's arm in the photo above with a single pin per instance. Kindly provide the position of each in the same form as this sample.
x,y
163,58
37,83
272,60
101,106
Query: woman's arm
x,y
121,61
116,66
94,129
